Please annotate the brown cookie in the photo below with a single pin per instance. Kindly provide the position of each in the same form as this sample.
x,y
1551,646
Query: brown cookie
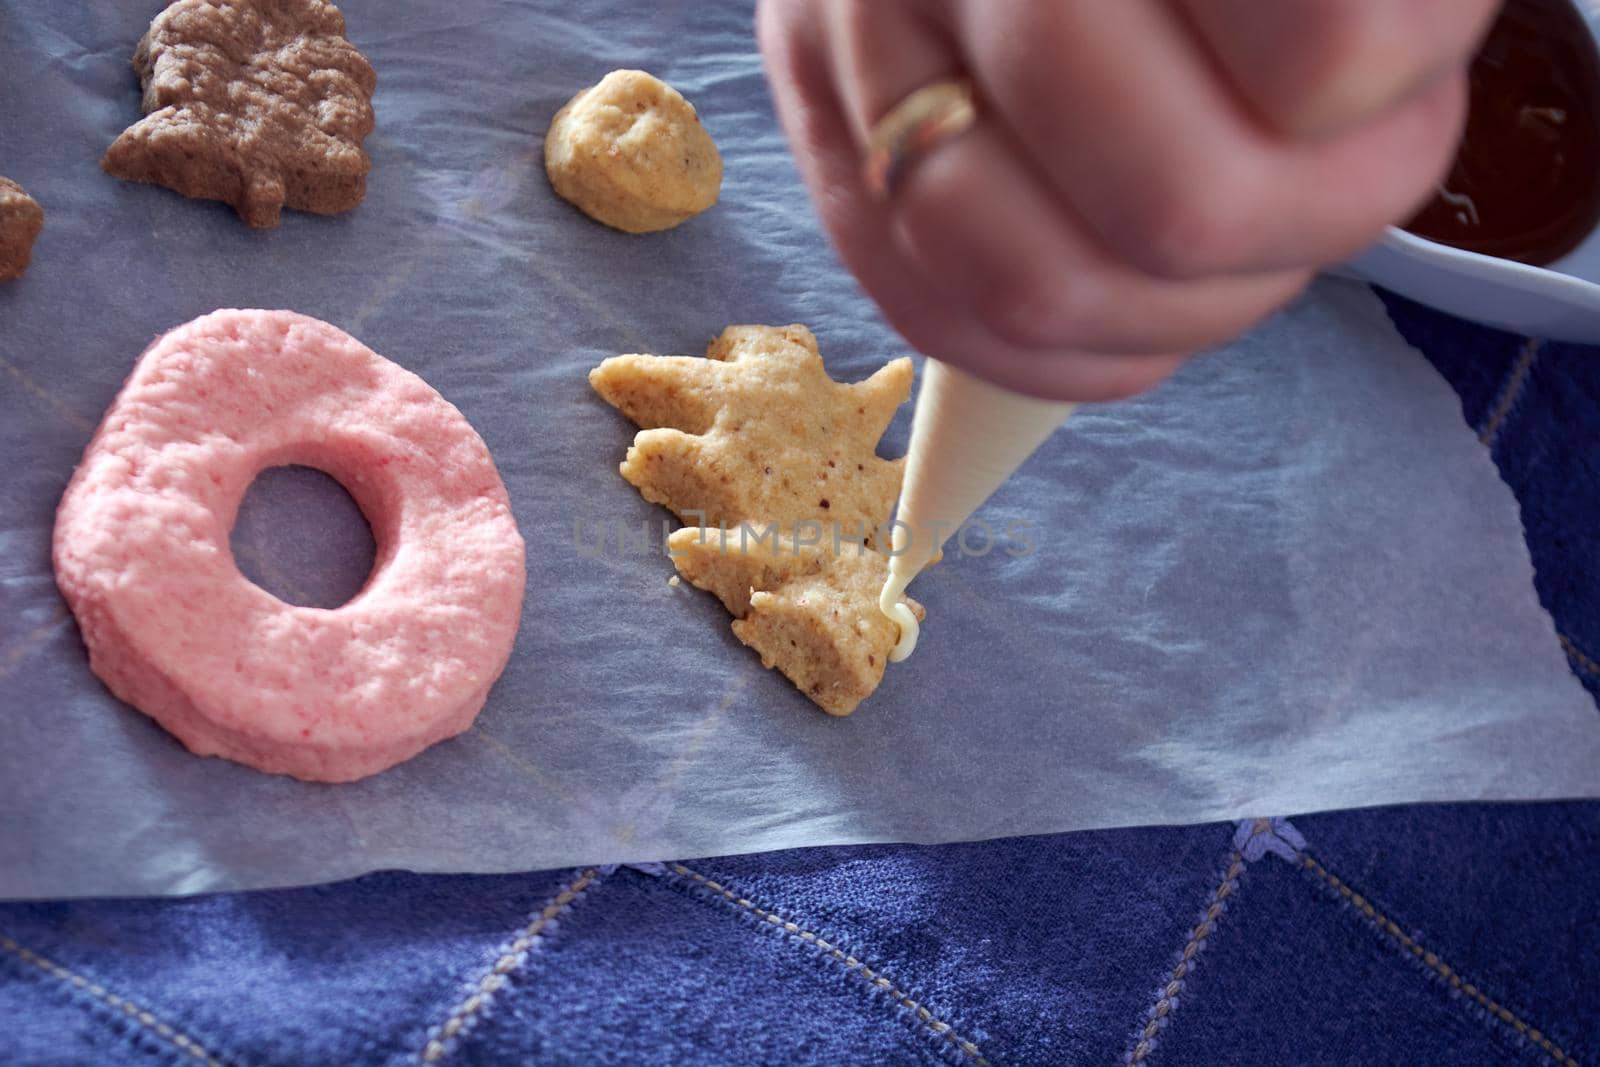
x,y
21,219
809,610
257,103
758,431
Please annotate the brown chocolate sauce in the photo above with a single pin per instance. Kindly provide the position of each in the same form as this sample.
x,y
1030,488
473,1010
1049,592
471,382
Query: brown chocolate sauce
x,y
1526,180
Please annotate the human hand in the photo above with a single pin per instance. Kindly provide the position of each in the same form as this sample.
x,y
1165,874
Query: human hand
x,y
1146,178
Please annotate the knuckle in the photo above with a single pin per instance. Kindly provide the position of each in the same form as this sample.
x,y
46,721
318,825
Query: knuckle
x,y
1336,40
1332,62
1190,229
1342,31
1033,310
1369,57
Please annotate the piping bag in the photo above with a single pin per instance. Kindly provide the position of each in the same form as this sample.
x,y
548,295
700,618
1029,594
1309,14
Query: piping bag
x,y
967,437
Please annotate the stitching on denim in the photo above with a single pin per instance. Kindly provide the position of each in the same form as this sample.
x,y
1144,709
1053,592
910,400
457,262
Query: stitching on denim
x,y
1167,1001
1388,927
1577,655
139,1016
873,977
441,1039
1511,391
1509,394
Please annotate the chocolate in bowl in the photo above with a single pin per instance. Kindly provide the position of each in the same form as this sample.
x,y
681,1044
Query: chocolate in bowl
x,y
1525,184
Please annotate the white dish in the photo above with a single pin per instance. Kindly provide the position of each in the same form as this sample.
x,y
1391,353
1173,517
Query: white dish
x,y
1557,301
1560,301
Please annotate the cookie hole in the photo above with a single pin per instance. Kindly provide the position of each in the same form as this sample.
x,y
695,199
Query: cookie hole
x,y
301,537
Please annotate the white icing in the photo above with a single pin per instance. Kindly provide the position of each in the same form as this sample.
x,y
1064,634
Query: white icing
x,y
899,613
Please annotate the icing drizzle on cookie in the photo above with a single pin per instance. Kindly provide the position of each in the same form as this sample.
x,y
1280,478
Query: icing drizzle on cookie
x,y
899,613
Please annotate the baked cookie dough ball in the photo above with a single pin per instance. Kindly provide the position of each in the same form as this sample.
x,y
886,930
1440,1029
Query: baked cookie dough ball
x,y
21,218
631,153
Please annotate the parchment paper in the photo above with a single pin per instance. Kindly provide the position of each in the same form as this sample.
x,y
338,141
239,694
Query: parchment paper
x,y
1288,580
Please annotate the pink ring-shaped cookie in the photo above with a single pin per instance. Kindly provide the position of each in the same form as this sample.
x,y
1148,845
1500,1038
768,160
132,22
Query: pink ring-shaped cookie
x,y
142,555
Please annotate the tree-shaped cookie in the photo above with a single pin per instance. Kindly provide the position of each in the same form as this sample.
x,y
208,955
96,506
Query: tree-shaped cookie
x,y
809,610
757,432
775,465
258,103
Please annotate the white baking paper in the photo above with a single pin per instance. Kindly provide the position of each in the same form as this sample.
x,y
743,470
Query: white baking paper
x,y
1288,580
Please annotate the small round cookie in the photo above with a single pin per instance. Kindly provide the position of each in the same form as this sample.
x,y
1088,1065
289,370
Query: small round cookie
x,y
141,551
631,153
21,219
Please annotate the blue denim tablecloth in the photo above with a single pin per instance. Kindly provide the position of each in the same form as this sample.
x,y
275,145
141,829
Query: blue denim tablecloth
x,y
1440,934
